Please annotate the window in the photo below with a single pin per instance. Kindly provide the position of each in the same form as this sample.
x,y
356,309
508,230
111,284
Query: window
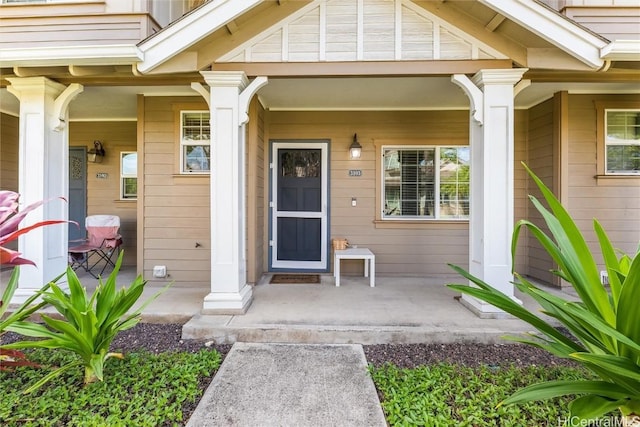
x,y
622,142
425,182
128,175
195,148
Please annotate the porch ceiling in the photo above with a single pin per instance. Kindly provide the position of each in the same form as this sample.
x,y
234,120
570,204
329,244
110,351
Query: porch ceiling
x,y
372,93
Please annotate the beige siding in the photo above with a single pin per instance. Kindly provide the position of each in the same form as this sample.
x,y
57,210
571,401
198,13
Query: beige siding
x,y
540,161
412,249
103,195
176,207
520,189
73,26
614,23
8,152
256,193
614,202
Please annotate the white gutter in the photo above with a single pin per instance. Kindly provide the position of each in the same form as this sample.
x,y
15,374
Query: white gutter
x,y
622,50
75,55
188,30
553,27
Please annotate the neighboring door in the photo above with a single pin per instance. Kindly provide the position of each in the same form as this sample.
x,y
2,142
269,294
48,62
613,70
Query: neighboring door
x,y
77,191
299,206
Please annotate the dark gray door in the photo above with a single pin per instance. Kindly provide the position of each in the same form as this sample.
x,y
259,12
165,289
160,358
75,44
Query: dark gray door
x,y
299,227
77,191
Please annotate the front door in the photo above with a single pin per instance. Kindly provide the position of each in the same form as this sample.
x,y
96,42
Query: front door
x,y
77,191
299,206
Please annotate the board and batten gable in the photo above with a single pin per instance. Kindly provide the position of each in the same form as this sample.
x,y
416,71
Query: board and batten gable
x,y
176,217
103,191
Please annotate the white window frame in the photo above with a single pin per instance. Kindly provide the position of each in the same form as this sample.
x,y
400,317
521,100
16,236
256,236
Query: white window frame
x,y
194,142
608,142
436,216
124,175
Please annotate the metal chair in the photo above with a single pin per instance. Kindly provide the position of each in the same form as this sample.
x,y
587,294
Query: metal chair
x,y
100,248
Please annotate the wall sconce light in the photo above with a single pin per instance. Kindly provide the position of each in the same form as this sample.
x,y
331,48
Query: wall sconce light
x,y
96,154
355,150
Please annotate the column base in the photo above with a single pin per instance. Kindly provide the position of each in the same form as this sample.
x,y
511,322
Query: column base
x,y
21,295
228,302
485,310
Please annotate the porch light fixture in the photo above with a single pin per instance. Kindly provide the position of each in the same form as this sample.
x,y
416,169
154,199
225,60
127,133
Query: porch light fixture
x,y
355,150
96,154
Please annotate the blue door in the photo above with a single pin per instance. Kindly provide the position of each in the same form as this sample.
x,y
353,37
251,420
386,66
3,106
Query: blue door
x,y
299,216
77,191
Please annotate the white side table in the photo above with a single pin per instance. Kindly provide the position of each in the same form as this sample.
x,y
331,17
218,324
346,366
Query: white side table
x,y
356,253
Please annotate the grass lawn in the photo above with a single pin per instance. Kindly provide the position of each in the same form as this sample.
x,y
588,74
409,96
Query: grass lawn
x,y
143,389
454,395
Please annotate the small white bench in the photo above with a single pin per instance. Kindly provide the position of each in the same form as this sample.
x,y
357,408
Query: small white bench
x,y
356,253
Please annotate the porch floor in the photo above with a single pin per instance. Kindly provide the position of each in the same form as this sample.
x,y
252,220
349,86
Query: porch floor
x,y
396,310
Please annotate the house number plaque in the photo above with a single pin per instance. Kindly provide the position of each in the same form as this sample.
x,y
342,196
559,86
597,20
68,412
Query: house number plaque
x,y
355,172
102,175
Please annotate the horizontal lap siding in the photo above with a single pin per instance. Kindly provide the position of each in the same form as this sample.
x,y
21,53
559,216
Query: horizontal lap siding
x,y
615,205
406,251
540,161
520,185
176,207
614,23
81,30
8,152
103,195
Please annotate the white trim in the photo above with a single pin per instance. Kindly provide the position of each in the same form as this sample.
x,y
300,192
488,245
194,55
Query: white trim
x,y
622,50
323,215
553,27
52,56
190,29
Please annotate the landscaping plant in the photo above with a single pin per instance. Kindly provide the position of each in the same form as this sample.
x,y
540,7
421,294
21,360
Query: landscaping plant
x,y
10,218
604,325
88,324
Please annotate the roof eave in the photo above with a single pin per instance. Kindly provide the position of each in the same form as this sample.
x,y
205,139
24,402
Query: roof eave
x,y
553,27
52,56
622,50
188,30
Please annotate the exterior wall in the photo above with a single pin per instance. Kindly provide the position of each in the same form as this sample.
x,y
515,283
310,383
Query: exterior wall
x,y
103,195
614,201
8,152
614,23
409,248
76,24
256,189
540,158
176,207
520,190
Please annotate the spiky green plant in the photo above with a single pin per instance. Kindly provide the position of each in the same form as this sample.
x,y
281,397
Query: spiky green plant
x,y
604,324
88,325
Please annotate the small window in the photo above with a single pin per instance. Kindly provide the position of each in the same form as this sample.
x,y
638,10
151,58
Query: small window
x,y
622,142
426,183
195,147
128,175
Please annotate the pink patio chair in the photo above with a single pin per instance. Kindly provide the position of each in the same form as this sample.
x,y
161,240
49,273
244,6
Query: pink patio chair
x,y
100,248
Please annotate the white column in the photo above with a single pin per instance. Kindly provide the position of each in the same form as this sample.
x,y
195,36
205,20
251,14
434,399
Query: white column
x,y
492,161
229,290
43,175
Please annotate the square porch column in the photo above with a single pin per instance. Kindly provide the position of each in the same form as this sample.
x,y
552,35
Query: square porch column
x,y
230,293
491,93
43,175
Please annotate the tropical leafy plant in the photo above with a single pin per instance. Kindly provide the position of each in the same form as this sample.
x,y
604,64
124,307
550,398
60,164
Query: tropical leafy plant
x,y
604,325
10,218
88,324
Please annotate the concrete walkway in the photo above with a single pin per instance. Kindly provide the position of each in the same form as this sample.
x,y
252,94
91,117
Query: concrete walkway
x,y
291,385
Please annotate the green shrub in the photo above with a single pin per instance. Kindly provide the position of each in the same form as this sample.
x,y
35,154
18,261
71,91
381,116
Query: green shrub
x,y
604,324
